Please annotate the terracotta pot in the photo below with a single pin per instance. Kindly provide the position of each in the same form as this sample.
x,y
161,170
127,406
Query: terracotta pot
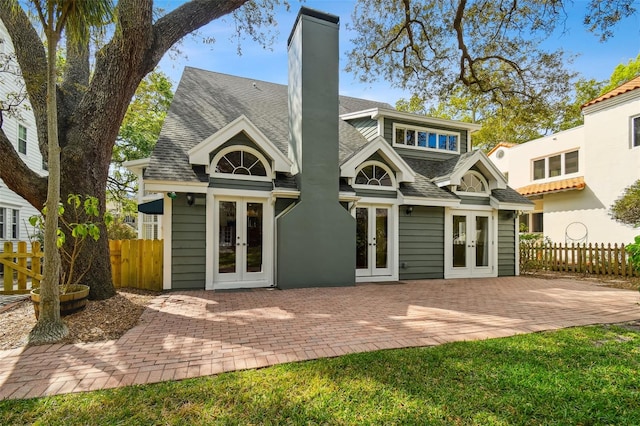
x,y
73,300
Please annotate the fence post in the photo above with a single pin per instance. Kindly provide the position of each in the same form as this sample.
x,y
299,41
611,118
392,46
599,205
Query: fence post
x,y
22,263
8,270
36,264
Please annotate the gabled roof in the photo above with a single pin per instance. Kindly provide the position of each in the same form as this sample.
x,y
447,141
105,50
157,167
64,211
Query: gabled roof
x,y
205,102
626,87
501,145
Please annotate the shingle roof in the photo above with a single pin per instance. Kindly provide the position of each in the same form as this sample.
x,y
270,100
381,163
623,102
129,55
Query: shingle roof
x,y
207,101
624,88
509,195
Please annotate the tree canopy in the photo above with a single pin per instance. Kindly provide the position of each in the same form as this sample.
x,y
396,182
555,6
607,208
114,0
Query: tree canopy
x,y
492,49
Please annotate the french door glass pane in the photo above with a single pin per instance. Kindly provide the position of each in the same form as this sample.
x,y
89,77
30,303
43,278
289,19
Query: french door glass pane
x,y
382,226
362,238
228,235
254,237
482,241
459,241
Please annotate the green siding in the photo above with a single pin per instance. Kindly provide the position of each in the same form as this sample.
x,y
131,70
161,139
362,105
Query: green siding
x,y
254,185
374,193
506,244
367,126
421,243
474,201
188,245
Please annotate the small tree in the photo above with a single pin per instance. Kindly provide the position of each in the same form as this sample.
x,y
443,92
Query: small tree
x,y
626,209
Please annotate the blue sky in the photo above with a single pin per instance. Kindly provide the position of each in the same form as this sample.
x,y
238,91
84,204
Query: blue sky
x,y
596,60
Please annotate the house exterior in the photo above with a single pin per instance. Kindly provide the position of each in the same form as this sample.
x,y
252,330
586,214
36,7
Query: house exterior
x,y
20,128
294,186
573,177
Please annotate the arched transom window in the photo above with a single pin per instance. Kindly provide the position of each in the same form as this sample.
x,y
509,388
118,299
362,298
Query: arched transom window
x,y
374,174
240,162
473,182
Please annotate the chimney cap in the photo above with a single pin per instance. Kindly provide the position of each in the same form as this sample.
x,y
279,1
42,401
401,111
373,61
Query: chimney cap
x,y
314,14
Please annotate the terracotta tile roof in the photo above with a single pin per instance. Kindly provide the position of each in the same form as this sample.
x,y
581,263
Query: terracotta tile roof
x,y
501,144
556,186
626,87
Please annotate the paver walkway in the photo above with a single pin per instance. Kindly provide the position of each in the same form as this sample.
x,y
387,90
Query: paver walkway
x,y
199,333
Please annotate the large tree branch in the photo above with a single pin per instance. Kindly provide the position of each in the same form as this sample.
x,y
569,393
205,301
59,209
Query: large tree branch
x,y
32,59
184,20
20,178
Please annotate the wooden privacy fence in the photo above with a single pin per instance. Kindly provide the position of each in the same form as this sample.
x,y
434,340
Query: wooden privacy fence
x,y
597,259
134,263
20,264
137,263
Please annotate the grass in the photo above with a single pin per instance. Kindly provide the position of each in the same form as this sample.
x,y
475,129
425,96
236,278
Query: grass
x,y
578,376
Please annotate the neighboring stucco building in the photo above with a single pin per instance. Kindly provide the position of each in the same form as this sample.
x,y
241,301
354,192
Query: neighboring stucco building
x,y
20,128
574,176
295,186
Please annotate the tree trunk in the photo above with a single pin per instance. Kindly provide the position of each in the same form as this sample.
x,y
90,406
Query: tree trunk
x,y
50,327
85,173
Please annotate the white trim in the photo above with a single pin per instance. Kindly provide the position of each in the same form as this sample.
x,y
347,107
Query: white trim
x,y
199,154
376,113
498,205
136,166
393,238
517,241
482,179
613,101
477,158
212,252
270,175
240,193
375,163
285,193
379,145
348,197
470,271
166,235
426,130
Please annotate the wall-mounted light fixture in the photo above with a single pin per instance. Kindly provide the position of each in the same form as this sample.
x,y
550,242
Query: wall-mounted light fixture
x,y
409,210
190,199
172,195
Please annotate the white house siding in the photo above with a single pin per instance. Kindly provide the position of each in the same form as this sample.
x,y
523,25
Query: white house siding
x,y
607,161
9,200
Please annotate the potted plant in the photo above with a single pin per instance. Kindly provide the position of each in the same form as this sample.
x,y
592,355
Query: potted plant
x,y
73,295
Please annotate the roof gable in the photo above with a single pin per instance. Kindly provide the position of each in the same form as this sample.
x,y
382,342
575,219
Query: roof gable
x,y
624,88
380,146
453,170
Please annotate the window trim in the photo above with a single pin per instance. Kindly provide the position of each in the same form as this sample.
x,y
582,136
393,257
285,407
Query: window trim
x,y
635,142
390,172
266,164
438,132
480,177
15,224
26,136
3,222
563,165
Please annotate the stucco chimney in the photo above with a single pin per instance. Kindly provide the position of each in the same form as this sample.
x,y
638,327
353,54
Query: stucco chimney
x,y
316,239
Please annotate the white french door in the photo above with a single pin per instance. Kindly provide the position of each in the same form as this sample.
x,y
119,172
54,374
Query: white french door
x,y
242,234
373,241
470,244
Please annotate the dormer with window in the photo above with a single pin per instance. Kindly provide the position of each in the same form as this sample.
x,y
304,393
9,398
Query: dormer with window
x,y
425,138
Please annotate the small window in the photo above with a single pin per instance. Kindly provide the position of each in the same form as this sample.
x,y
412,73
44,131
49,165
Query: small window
x,y
149,226
419,137
636,131
539,169
374,175
571,162
555,165
22,139
15,224
473,182
241,163
3,222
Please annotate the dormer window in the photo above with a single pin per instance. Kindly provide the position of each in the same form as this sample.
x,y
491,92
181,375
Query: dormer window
x,y
241,162
375,174
425,138
473,183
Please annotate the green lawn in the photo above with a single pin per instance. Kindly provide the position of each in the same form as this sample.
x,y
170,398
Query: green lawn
x,y
581,376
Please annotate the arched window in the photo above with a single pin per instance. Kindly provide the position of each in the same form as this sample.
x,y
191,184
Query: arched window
x,y
242,162
473,182
373,173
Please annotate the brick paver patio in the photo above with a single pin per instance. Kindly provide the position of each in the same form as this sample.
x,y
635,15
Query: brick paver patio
x,y
199,333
